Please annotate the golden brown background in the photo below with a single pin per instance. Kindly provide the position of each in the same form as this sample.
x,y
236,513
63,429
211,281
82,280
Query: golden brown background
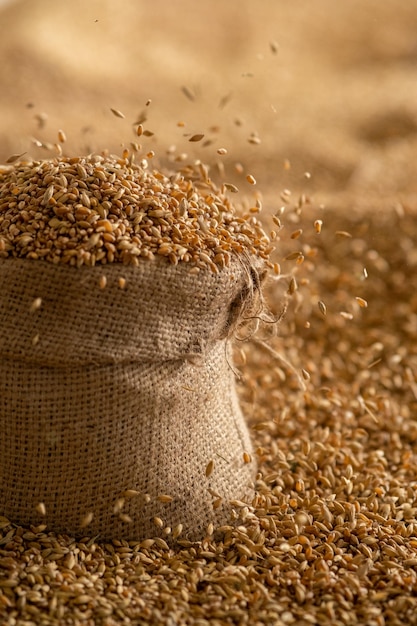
x,y
330,86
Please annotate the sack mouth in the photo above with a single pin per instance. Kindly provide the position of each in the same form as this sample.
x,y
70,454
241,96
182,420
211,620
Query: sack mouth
x,y
61,316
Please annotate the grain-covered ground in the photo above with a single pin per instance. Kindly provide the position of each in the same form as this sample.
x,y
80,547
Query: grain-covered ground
x,y
318,99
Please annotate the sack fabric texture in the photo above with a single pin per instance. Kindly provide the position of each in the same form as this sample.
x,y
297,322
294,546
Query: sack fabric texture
x,y
111,397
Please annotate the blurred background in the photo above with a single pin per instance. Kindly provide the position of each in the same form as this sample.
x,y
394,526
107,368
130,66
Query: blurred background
x,y
286,87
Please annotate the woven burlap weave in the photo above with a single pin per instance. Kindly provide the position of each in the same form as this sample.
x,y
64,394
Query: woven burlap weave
x,y
109,389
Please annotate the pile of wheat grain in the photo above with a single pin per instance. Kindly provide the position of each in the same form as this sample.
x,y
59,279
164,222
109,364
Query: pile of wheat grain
x,y
331,534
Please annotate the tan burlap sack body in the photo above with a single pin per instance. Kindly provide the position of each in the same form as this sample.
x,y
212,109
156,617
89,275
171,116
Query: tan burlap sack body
x,y
109,391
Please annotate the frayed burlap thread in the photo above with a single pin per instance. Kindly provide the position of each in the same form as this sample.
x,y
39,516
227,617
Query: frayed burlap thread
x,y
108,390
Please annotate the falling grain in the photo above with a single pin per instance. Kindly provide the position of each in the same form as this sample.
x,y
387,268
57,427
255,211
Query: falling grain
x,y
117,113
322,307
158,522
254,139
36,304
293,286
362,302
224,100
86,520
188,93
247,457
118,505
318,226
41,508
165,498
231,187
274,47
343,233
15,157
177,531
209,468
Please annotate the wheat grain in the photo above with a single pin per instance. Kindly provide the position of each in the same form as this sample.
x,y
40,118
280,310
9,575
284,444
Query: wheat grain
x,y
102,205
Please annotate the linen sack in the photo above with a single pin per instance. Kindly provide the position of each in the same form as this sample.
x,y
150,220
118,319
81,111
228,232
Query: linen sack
x,y
111,397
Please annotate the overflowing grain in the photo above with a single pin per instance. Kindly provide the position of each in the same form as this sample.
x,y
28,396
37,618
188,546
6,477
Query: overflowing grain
x,y
103,209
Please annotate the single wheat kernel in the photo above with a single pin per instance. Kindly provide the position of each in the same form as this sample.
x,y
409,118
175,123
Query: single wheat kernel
x,y
197,137
247,457
209,468
274,47
86,519
118,505
188,93
15,157
158,522
318,226
117,113
231,187
36,304
293,256
292,287
305,374
41,508
130,493
177,531
164,498
343,233
362,303
322,307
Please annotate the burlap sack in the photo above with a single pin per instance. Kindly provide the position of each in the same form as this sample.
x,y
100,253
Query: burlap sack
x,y
104,390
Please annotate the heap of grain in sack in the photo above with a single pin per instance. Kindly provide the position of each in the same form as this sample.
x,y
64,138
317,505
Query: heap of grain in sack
x,y
121,288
